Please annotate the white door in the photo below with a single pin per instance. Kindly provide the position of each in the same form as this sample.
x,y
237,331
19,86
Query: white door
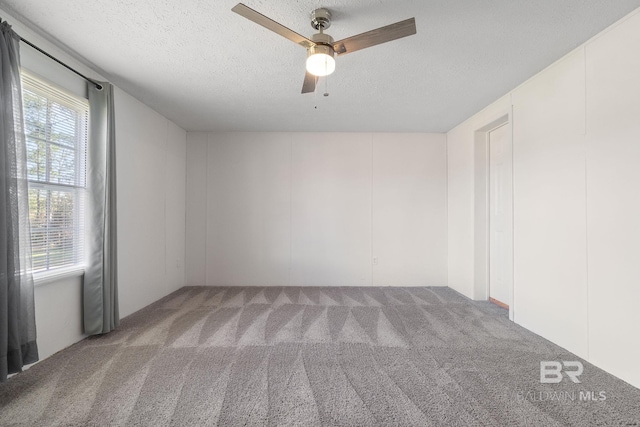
x,y
500,216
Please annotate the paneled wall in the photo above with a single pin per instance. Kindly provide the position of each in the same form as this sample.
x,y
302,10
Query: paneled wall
x,y
315,209
576,200
151,176
550,264
613,199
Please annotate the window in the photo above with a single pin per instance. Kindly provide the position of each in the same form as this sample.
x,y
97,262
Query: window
x,y
56,131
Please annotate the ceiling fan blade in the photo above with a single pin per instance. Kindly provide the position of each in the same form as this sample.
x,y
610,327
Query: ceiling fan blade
x,y
377,36
309,84
272,25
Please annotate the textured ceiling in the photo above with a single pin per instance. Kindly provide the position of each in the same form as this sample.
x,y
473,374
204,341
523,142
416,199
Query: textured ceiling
x,y
206,68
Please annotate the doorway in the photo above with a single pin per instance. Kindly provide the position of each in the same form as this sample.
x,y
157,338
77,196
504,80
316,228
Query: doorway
x,y
500,217
493,212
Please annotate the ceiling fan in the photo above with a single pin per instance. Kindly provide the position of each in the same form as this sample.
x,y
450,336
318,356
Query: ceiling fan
x,y
321,48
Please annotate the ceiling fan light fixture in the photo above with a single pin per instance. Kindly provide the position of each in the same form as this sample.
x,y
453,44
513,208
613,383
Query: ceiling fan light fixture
x,y
320,61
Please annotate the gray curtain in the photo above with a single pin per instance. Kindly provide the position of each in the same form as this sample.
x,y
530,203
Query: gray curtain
x,y
100,289
17,314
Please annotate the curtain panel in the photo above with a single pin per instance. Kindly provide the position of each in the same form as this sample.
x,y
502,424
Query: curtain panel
x,y
100,286
17,309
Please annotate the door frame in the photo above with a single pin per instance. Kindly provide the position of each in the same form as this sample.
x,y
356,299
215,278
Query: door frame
x,y
481,207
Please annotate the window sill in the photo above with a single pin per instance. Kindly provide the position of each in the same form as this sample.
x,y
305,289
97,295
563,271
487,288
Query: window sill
x,y
52,276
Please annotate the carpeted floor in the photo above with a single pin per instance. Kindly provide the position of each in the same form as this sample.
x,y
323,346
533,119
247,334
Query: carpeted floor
x,y
313,356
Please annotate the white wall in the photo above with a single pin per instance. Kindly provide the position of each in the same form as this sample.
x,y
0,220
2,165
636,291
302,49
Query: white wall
x,y
409,209
613,199
196,211
576,205
316,208
248,210
550,265
151,162
331,209
151,179
58,305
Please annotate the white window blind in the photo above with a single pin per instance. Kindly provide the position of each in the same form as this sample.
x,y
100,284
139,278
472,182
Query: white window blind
x,y
56,130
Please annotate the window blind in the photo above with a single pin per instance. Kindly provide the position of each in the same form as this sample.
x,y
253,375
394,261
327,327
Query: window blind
x,y
56,128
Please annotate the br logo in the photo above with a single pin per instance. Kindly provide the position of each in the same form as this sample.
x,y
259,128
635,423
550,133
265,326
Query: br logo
x,y
551,371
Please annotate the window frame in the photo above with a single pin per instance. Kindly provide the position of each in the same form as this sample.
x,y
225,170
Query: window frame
x,y
42,87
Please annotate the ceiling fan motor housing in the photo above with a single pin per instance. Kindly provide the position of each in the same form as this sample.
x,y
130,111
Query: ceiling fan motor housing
x,y
323,44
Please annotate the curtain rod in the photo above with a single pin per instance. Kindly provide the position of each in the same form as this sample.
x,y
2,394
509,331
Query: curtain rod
x,y
98,85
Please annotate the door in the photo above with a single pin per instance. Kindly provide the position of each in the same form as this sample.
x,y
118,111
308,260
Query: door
x,y
500,217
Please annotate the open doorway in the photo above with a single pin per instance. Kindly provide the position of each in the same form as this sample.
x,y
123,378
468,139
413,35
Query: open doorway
x,y
500,216
493,213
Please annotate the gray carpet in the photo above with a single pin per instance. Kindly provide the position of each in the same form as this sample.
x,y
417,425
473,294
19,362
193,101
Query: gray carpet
x,y
313,356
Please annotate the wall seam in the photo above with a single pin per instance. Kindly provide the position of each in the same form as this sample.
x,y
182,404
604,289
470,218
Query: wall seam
x,y
586,206
206,218
164,197
446,202
512,302
184,254
290,206
371,265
